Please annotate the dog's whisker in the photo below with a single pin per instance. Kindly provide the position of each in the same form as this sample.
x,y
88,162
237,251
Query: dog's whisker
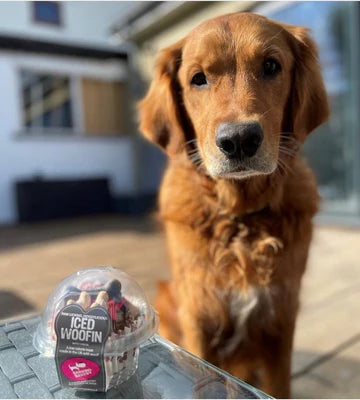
x,y
195,157
190,141
287,151
266,112
288,136
194,153
290,146
284,166
287,154
286,145
195,150
195,160
294,141
289,139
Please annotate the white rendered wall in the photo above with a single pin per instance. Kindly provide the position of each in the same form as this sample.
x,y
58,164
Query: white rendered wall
x,y
22,157
83,22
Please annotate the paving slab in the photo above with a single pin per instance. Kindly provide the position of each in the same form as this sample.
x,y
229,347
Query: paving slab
x,y
333,265
339,377
322,331
33,270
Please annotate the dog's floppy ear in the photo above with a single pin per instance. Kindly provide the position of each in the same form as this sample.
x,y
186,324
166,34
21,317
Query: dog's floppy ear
x,y
308,103
161,119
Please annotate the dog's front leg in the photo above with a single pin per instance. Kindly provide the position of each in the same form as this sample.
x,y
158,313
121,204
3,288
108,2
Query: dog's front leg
x,y
192,332
277,365
200,310
202,322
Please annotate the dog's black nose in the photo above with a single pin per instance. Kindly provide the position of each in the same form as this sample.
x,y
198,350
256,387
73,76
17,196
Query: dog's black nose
x,y
239,140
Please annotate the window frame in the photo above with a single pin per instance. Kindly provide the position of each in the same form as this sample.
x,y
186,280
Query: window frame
x,y
75,103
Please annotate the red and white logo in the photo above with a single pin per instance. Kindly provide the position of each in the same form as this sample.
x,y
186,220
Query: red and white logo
x,y
79,369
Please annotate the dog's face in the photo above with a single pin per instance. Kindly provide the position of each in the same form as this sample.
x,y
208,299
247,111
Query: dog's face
x,y
242,89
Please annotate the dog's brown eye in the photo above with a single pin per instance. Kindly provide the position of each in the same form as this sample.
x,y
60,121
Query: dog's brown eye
x,y
199,79
271,67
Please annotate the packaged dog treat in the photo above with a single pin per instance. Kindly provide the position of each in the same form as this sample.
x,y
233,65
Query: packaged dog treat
x,y
93,325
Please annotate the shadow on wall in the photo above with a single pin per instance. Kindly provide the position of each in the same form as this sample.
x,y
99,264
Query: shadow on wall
x,y
12,305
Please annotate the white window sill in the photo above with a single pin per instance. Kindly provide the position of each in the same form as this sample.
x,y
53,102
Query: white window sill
x,y
64,134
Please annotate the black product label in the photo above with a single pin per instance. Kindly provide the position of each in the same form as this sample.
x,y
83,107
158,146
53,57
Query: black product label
x,y
80,342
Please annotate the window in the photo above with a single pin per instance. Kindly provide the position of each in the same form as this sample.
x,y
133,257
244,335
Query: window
x,y
332,151
46,100
47,12
63,104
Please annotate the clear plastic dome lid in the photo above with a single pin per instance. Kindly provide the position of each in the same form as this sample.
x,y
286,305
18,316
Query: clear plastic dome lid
x,y
133,319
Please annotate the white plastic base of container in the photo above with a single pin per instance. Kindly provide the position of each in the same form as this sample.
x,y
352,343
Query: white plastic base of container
x,y
120,368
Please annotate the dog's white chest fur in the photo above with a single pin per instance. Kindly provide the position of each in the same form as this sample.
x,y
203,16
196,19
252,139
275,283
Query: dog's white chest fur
x,y
240,306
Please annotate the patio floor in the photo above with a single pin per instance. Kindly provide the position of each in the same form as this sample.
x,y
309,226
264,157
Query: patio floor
x,y
34,258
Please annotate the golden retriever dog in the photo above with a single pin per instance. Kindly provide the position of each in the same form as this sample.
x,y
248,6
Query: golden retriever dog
x,y
231,104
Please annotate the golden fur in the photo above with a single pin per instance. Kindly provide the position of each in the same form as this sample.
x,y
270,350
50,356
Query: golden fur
x,y
238,247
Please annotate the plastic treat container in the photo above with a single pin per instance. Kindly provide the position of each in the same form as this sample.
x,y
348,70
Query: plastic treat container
x,y
93,325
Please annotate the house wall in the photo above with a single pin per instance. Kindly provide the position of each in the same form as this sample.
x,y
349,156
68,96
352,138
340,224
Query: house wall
x,y
72,156
83,23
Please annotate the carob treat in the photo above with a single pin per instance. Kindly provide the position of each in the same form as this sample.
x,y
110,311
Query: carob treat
x,y
101,300
84,300
113,289
123,322
123,314
109,297
90,317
